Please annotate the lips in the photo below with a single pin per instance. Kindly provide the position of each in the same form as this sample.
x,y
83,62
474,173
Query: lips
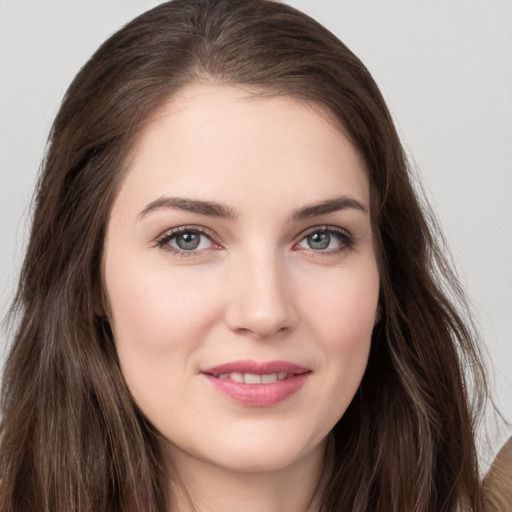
x,y
257,384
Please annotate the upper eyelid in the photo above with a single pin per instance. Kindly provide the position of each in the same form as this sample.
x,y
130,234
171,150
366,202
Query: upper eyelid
x,y
188,227
325,227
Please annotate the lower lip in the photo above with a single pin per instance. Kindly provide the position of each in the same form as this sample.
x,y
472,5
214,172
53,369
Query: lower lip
x,y
259,395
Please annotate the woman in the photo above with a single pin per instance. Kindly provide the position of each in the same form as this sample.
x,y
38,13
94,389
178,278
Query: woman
x,y
232,297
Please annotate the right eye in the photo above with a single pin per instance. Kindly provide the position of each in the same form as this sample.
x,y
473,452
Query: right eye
x,y
186,241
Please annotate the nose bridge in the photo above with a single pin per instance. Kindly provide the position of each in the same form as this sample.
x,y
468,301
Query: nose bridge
x,y
260,301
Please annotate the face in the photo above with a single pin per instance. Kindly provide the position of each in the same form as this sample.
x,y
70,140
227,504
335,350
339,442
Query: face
x,y
241,277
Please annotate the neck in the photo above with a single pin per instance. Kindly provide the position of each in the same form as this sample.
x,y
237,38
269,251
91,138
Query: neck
x,y
207,488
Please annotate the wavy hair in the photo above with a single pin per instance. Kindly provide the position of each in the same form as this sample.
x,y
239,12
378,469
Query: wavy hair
x,y
72,437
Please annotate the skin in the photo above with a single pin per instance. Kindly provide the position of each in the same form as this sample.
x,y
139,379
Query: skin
x,y
254,289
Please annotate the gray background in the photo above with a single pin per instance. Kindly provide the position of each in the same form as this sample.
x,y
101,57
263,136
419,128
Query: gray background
x,y
444,66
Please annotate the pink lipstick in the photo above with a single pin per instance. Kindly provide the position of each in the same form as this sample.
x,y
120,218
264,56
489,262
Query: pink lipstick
x,y
257,384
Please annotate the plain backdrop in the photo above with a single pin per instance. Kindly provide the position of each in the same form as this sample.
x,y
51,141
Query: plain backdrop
x,y
444,66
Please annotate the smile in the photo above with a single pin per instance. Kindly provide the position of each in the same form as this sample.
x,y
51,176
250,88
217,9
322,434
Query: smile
x,y
252,378
257,384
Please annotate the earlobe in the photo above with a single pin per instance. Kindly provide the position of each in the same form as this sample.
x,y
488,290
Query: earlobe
x,y
98,310
97,305
100,300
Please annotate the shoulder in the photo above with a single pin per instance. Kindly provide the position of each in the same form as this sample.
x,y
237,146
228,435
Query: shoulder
x,y
497,485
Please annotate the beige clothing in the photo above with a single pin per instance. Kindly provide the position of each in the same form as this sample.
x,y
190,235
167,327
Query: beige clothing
x,y
497,485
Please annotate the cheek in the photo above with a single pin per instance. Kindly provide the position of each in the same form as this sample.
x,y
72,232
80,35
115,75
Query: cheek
x,y
159,320
343,305
341,319
155,309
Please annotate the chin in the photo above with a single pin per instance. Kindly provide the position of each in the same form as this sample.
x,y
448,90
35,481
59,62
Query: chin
x,y
257,454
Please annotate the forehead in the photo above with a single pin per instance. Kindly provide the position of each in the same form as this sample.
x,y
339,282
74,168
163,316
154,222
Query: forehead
x,y
221,140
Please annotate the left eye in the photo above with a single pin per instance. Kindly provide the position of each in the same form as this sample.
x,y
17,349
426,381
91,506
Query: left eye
x,y
189,240
324,239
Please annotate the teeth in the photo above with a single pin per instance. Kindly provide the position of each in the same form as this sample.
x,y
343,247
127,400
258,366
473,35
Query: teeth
x,y
251,378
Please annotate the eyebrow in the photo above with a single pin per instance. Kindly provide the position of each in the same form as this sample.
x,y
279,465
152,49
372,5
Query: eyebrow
x,y
213,209
328,206
208,208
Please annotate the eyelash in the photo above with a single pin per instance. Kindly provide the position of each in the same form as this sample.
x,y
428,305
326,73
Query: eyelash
x,y
347,241
163,241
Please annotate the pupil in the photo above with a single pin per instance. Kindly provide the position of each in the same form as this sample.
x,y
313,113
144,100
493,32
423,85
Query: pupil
x,y
188,241
319,241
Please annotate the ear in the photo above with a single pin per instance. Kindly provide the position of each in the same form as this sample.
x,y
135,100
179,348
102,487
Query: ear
x,y
99,300
98,308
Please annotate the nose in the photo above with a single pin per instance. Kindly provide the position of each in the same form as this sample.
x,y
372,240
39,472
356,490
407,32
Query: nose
x,y
261,297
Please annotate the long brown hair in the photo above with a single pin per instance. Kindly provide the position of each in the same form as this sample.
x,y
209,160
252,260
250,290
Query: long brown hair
x,y
72,437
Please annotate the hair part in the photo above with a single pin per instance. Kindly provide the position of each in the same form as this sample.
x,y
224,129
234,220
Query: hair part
x,y
72,436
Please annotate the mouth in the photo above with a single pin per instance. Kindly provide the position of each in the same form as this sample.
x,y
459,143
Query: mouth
x,y
253,378
256,384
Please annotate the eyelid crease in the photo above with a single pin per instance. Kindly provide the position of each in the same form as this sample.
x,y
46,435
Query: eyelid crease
x,y
345,233
325,227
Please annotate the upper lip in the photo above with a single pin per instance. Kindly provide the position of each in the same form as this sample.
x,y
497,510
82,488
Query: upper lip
x,y
256,368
